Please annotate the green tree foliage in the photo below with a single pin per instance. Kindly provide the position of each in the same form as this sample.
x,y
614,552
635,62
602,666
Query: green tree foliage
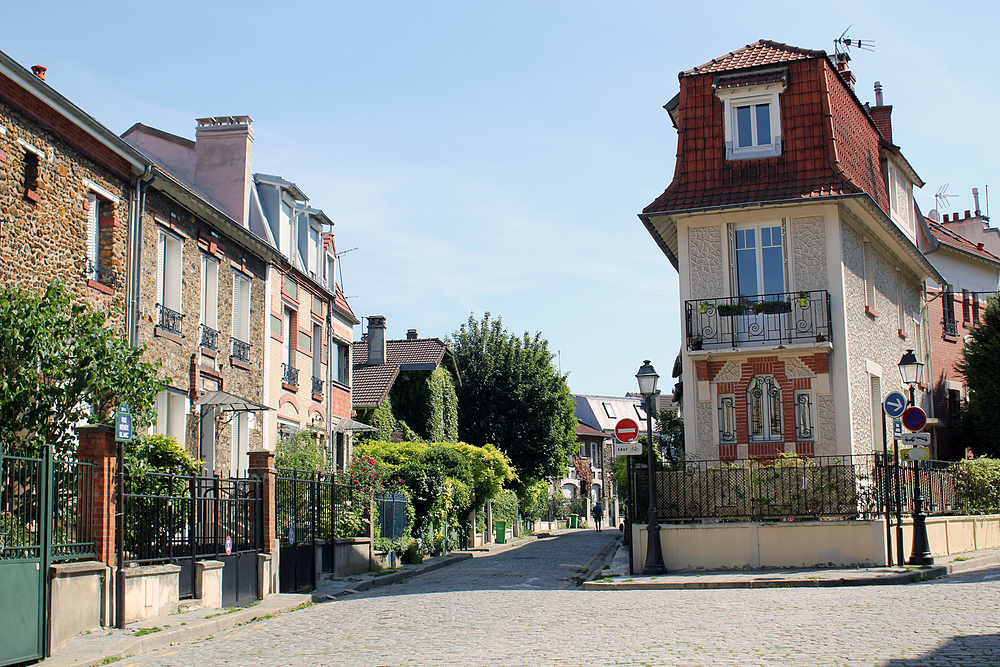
x,y
301,451
156,453
426,402
57,358
977,485
512,397
980,365
387,425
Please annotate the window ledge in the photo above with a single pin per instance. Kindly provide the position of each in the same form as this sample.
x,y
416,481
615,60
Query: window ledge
x,y
318,398
32,195
290,387
100,287
240,364
871,312
903,334
950,338
161,333
209,353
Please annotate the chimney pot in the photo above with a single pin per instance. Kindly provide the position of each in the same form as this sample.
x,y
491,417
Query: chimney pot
x,y
411,334
968,213
878,94
975,196
39,71
376,340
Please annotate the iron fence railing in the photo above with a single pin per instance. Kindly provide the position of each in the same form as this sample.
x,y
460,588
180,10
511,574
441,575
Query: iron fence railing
x,y
21,507
173,517
209,338
312,506
391,513
102,274
241,350
73,510
317,386
761,319
290,375
170,320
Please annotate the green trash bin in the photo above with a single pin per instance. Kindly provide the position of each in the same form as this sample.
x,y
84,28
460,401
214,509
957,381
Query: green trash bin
x,y
501,531
574,520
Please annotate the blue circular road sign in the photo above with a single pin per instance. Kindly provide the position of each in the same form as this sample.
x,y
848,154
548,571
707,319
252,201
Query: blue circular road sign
x,y
914,419
894,404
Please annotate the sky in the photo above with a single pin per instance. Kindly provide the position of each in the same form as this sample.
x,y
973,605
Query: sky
x,y
489,156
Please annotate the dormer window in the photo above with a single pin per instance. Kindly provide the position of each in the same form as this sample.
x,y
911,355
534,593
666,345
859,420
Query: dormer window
x,y
752,116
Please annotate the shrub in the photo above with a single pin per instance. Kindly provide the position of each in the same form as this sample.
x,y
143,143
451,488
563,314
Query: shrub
x,y
977,485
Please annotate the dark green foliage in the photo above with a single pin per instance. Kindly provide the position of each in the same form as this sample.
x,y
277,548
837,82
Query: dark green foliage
x,y
301,451
57,358
977,485
512,397
388,426
980,365
155,453
426,402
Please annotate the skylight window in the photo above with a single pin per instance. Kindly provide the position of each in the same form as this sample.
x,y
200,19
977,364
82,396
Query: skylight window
x,y
609,410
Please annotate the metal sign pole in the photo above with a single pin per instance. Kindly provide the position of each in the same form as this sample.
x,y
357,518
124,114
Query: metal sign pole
x,y
888,494
899,506
629,513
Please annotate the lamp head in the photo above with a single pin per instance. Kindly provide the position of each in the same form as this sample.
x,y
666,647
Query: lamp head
x,y
647,378
910,369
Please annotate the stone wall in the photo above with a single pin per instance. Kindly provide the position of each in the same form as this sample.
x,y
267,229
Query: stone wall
x,y
43,229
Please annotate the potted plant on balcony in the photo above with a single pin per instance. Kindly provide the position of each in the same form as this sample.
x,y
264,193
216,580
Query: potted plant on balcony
x,y
803,298
695,342
730,309
772,307
703,307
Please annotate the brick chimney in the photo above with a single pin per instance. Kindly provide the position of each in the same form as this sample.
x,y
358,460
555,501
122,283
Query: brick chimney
x,y
844,67
411,334
376,340
882,114
39,71
224,170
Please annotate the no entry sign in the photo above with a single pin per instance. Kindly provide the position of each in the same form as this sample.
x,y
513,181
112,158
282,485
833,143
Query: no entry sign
x,y
626,430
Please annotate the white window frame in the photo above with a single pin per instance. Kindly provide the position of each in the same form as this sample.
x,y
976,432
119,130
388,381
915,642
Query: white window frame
x,y
172,407
242,285
767,409
210,292
170,271
733,98
93,234
868,250
314,242
239,441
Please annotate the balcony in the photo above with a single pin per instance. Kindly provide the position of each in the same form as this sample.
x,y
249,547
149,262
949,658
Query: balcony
x,y
241,351
209,338
317,386
758,320
101,274
290,375
169,320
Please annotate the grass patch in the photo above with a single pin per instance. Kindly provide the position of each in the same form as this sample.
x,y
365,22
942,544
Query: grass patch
x,y
304,605
111,658
959,559
146,631
630,579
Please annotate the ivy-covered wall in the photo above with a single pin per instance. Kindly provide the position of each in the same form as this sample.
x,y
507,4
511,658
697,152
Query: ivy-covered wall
x,y
421,405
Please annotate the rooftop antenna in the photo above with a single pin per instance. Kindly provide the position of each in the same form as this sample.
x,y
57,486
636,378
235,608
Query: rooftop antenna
x,y
340,267
844,43
941,198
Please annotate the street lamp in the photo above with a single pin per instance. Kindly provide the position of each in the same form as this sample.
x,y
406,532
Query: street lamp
x,y
911,371
647,378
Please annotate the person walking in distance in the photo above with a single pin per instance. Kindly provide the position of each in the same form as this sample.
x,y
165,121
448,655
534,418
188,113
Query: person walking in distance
x,y
598,515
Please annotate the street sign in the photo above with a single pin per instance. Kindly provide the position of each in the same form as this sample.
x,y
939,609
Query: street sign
x,y
123,425
627,448
914,419
917,439
229,545
894,404
626,430
916,453
897,428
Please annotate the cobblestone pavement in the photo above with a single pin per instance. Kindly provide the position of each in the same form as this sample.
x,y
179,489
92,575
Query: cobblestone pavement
x,y
523,607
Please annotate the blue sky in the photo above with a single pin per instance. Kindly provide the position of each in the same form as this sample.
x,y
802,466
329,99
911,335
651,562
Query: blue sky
x,y
492,156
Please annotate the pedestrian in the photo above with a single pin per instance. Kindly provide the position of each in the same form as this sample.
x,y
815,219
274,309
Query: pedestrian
x,y
598,514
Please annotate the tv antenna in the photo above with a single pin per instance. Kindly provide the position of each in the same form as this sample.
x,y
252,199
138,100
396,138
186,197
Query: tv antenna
x,y
844,43
941,197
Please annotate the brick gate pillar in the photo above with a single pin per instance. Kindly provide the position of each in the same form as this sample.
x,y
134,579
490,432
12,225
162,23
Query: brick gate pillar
x,y
98,446
262,468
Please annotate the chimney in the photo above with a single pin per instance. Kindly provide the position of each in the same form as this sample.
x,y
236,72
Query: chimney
x,y
411,334
975,196
39,71
224,163
882,114
376,340
844,68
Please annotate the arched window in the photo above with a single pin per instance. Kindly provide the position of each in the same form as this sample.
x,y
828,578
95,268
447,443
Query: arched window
x,y
764,409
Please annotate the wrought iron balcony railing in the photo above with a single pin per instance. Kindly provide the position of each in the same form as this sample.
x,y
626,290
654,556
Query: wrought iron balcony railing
x,y
241,350
102,274
317,386
290,375
170,320
209,338
761,319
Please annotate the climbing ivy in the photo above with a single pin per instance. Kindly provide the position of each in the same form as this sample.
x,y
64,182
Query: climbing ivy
x,y
426,401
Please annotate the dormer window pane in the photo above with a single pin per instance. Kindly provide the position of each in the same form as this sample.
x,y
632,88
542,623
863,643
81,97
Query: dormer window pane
x,y
744,127
763,124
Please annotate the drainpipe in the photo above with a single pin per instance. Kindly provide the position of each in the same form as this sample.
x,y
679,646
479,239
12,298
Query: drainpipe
x,y
330,439
134,261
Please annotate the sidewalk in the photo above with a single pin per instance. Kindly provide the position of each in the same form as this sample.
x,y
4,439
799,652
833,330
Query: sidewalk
x,y
109,644
616,577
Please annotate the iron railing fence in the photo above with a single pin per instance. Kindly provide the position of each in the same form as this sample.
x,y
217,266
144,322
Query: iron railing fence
x,y
102,274
209,338
241,350
391,512
170,320
290,375
317,386
758,319
312,506
21,507
170,517
73,510
846,487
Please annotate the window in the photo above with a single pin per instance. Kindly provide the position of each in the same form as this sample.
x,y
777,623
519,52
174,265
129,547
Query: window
x,y
314,251
290,287
609,410
241,307
328,271
343,363
878,426
966,307
727,419
209,302
239,442
869,260
317,350
900,304
760,260
169,277
32,163
764,409
803,416
975,308
171,415
948,312
752,117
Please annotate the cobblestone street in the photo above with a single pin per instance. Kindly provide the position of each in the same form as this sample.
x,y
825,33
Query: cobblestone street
x,y
524,607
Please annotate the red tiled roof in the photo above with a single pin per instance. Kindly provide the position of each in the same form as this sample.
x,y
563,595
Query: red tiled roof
x,y
586,431
752,79
340,301
947,237
762,52
371,383
829,144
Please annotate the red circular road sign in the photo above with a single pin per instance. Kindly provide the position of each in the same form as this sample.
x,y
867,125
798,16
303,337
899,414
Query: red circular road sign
x,y
914,418
626,430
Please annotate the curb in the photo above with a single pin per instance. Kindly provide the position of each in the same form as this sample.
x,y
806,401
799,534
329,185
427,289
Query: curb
x,y
394,578
124,646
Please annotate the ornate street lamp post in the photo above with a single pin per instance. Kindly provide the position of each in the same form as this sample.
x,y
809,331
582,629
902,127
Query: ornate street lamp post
x,y
911,371
647,378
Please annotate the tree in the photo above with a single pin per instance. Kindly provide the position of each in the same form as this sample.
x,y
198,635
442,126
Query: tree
x,y
61,365
512,397
980,365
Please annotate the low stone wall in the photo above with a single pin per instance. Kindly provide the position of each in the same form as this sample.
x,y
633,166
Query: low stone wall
x,y
79,597
151,591
721,546
351,556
